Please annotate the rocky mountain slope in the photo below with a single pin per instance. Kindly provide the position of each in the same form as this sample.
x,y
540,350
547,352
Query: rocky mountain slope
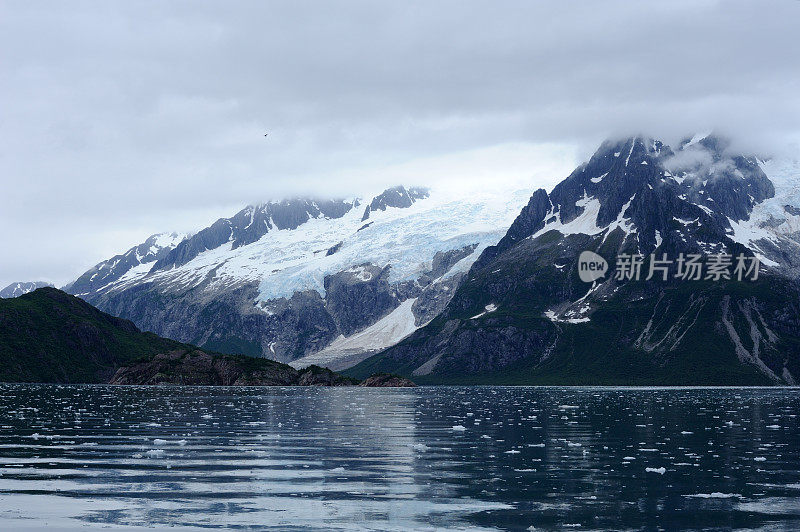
x,y
18,289
305,281
524,315
50,336
120,267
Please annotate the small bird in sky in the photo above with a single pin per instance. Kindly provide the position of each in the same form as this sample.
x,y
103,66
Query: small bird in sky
x,y
266,134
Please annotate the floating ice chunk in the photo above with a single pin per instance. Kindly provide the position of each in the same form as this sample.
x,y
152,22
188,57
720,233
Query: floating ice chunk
x,y
715,495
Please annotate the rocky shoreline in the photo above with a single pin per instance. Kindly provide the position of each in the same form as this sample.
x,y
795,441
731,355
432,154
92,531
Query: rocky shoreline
x,y
194,367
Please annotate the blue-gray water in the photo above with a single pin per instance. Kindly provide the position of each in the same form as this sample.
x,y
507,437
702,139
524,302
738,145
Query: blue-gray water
x,y
449,457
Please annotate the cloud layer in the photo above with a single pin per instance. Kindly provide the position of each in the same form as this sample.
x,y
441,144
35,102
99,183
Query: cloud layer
x,y
122,119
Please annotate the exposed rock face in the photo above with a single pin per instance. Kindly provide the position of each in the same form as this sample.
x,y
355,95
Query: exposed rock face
x,y
228,321
434,297
444,261
198,368
317,376
399,197
531,219
18,289
386,380
333,249
359,295
523,315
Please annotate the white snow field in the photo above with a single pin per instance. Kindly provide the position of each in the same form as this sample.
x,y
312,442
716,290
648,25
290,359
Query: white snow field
x,y
287,261
348,351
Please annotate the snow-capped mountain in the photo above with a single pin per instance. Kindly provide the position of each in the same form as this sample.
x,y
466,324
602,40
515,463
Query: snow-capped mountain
x,y
523,314
17,289
121,267
306,281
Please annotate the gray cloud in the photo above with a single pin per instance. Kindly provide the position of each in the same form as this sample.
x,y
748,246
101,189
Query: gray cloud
x,y
123,119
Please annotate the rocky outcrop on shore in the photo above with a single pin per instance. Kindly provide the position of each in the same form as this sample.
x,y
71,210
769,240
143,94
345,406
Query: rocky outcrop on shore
x,y
386,380
198,368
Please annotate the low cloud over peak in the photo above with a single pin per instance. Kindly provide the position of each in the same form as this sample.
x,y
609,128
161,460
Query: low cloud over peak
x,y
122,120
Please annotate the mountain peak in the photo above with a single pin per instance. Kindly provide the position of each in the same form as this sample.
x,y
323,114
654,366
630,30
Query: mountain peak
x,y
399,197
102,274
640,186
20,288
252,223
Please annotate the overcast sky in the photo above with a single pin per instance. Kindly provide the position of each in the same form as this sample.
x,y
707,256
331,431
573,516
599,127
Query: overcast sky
x,y
122,119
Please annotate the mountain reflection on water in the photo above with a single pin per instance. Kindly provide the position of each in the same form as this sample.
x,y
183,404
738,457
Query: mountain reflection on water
x,y
436,457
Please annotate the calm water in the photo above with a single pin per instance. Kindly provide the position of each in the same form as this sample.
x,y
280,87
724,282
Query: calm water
x,y
452,457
